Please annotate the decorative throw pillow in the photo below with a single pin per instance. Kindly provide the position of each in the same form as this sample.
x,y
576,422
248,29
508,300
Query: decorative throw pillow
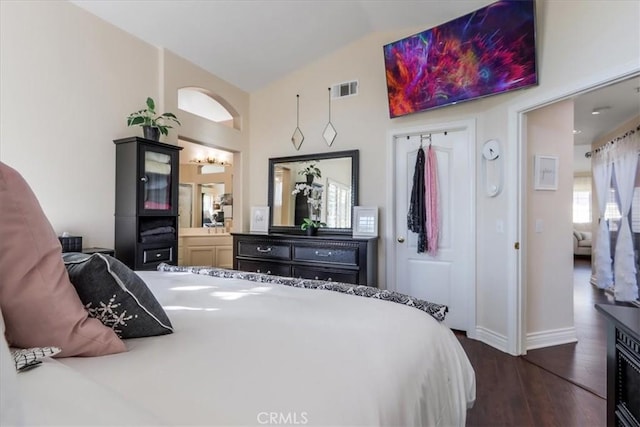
x,y
25,358
115,295
10,403
40,306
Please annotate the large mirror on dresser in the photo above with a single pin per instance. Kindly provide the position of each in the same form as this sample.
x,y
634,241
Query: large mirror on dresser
x,y
322,187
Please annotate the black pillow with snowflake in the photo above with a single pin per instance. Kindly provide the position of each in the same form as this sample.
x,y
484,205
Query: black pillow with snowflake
x,y
112,293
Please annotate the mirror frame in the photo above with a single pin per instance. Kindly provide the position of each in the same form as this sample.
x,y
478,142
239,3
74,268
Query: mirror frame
x,y
355,171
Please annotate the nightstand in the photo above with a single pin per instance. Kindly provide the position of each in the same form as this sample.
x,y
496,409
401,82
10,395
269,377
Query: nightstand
x,y
105,251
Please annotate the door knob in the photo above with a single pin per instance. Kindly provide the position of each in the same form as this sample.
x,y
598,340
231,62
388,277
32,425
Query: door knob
x,y
400,239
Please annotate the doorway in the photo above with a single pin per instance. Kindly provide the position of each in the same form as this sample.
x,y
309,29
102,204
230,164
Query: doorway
x,y
446,277
517,335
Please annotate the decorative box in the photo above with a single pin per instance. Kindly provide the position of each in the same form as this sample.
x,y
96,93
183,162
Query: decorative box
x,y
71,243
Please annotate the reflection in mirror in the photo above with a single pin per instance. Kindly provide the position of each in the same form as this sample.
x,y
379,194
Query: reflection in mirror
x,y
206,183
321,187
185,205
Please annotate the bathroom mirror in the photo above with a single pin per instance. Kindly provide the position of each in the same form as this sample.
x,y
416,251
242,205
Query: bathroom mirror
x,y
322,187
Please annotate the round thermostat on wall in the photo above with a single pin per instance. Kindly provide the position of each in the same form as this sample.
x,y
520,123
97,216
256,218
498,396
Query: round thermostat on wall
x,y
492,168
491,149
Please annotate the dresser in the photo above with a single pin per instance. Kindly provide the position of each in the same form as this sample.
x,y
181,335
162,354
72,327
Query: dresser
x,y
332,258
623,364
146,208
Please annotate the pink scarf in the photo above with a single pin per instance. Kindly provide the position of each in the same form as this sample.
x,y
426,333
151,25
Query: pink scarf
x,y
431,201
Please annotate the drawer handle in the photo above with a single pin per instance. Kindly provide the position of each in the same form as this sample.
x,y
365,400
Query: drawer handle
x,y
158,255
268,271
328,280
264,251
322,254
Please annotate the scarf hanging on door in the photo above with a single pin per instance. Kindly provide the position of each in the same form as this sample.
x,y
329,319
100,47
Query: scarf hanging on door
x,y
431,202
417,215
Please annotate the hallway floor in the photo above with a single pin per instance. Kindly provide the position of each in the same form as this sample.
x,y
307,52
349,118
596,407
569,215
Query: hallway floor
x,y
584,363
560,385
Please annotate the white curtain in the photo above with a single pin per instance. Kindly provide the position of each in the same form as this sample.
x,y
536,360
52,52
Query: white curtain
x,y
602,168
625,161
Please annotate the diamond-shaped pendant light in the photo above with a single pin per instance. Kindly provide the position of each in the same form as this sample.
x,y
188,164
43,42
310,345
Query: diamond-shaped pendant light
x,y
329,133
297,138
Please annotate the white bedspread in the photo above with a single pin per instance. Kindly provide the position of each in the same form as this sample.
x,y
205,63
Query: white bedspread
x,y
246,353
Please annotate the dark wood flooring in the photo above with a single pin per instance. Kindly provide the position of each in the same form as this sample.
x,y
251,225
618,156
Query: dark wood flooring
x,y
556,386
513,392
584,362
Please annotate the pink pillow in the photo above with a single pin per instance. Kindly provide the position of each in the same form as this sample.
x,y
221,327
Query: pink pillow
x,y
40,305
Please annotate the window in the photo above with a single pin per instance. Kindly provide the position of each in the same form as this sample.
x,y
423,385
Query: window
x,y
582,200
581,207
635,210
197,101
338,205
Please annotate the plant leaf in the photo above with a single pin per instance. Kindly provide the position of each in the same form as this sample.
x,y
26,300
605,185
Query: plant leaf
x,y
135,121
150,104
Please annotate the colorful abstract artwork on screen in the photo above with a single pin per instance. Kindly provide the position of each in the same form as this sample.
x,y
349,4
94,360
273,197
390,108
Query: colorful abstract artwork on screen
x,y
486,52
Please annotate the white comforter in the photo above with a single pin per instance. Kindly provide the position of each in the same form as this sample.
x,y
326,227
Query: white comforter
x,y
246,353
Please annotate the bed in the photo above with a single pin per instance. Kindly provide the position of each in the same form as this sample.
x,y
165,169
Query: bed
x,y
251,353
216,347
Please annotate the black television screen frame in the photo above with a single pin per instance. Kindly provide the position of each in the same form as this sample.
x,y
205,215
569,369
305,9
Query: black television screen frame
x,y
487,52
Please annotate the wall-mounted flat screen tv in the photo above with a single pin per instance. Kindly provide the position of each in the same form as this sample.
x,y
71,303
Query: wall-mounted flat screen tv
x,y
489,51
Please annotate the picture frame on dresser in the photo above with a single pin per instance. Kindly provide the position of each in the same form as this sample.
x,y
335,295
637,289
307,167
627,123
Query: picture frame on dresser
x,y
365,221
259,219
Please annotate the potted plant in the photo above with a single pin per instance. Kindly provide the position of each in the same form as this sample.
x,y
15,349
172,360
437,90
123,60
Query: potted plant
x,y
311,172
311,226
152,124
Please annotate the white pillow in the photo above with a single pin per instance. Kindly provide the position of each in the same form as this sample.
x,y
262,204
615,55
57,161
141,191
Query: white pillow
x,y
10,403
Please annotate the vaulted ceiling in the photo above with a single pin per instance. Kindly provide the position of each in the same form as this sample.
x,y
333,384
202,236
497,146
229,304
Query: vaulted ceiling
x,y
251,43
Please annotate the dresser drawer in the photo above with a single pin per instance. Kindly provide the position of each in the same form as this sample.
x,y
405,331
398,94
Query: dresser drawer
x,y
332,258
330,275
264,250
333,255
152,256
264,267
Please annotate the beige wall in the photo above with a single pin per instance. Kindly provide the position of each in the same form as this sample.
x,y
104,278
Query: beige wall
x,y
68,80
568,51
549,226
617,131
178,73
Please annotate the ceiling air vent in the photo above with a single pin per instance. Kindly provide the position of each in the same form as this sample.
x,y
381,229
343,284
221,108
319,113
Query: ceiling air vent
x,y
345,89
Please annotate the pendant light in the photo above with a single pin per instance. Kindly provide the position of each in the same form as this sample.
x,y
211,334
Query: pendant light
x,y
329,133
297,138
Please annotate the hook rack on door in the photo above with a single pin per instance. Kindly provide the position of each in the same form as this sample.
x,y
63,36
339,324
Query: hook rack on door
x,y
425,137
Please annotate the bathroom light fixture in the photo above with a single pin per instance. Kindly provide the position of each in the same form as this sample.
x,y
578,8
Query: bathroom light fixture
x,y
576,131
209,161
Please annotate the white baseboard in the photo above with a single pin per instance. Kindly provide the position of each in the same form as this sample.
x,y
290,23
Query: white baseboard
x,y
491,338
551,337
